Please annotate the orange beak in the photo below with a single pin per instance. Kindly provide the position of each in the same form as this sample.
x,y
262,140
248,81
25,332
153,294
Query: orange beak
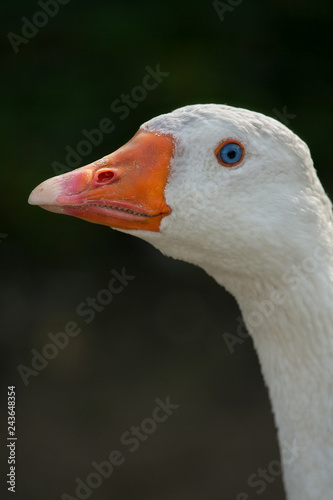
x,y
124,190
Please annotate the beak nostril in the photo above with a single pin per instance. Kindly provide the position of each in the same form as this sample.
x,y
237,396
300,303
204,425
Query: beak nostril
x,y
105,176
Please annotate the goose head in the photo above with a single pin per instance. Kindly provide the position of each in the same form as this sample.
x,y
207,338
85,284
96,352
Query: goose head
x,y
236,193
209,184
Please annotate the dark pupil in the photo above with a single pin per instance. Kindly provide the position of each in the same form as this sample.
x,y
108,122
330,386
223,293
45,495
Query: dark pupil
x,y
231,154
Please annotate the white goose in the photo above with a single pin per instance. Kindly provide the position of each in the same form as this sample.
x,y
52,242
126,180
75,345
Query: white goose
x,y
235,192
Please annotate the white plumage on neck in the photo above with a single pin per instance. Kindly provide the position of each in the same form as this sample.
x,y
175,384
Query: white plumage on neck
x,y
291,325
263,230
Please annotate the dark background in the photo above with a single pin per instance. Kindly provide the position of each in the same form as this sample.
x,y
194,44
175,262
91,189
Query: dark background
x,y
163,335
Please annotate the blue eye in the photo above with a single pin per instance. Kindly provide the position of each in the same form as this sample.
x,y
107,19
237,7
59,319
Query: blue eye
x,y
229,153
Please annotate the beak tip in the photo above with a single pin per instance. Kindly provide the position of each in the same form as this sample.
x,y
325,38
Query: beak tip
x,y
38,197
46,193
33,199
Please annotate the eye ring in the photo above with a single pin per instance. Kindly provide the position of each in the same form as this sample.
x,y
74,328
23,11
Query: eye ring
x,y
230,153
